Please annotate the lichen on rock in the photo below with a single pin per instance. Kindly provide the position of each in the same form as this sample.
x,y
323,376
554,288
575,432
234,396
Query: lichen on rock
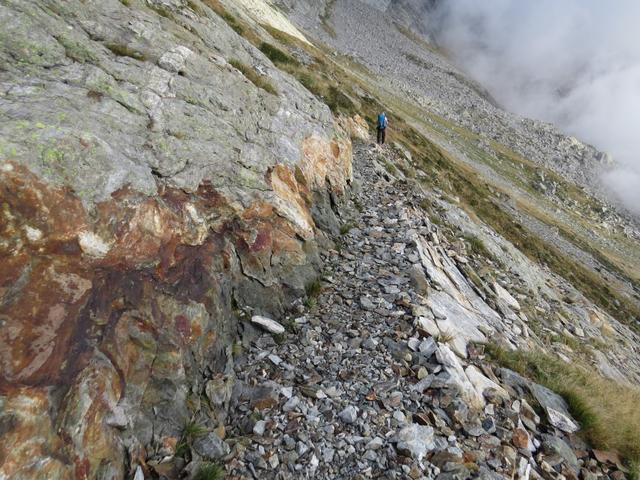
x,y
147,194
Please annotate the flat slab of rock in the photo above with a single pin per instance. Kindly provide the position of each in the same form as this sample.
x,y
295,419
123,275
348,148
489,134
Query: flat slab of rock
x,y
482,383
562,421
506,297
458,378
267,324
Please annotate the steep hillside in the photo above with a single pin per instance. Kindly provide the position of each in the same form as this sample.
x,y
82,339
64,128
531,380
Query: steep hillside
x,y
201,275
547,182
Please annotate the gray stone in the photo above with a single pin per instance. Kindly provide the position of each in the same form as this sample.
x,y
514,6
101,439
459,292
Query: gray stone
x,y
419,279
375,444
506,297
139,475
174,60
370,344
400,417
349,414
370,455
428,347
558,449
556,408
562,421
268,324
291,404
413,344
328,454
366,303
219,390
259,427
211,446
415,441
423,384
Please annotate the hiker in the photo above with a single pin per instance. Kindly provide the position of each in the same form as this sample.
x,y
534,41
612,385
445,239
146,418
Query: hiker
x,y
382,127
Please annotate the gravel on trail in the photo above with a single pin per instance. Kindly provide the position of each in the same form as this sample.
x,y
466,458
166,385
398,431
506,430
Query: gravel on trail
x,y
357,388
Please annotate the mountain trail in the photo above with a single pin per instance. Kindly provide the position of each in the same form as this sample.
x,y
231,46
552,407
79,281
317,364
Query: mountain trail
x,y
360,389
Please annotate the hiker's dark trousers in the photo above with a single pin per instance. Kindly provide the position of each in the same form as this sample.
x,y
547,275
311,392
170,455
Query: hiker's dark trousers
x,y
382,135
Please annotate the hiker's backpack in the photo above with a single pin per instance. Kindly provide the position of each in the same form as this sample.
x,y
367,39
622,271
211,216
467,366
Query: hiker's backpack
x,y
382,120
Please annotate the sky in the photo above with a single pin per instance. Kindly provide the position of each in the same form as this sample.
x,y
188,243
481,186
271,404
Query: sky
x,y
574,63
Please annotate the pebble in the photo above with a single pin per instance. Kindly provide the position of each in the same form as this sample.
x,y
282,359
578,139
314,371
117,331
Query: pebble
x,y
399,416
375,444
259,427
291,404
349,414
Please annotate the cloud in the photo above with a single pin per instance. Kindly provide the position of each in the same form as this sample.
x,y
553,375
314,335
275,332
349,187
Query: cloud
x,y
575,63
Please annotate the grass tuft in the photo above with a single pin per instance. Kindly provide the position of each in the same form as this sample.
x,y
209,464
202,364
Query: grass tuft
x,y
122,50
190,432
276,55
239,26
390,167
445,337
253,76
338,102
314,288
193,430
163,11
476,245
346,228
209,471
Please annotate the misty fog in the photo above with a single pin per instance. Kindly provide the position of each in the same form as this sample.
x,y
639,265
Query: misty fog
x,y
574,63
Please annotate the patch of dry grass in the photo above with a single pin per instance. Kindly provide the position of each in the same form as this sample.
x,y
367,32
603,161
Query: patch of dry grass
x,y
124,50
445,337
239,26
606,410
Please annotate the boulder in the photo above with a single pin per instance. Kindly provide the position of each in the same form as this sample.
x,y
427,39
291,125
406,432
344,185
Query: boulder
x,y
481,383
557,451
555,407
457,378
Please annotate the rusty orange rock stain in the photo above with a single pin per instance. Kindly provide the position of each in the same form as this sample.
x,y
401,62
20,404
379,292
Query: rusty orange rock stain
x,y
88,328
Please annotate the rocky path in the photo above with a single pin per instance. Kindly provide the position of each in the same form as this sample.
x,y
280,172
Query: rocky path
x,y
364,385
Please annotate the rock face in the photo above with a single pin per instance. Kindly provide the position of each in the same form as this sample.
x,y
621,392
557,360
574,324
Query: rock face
x,y
148,190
